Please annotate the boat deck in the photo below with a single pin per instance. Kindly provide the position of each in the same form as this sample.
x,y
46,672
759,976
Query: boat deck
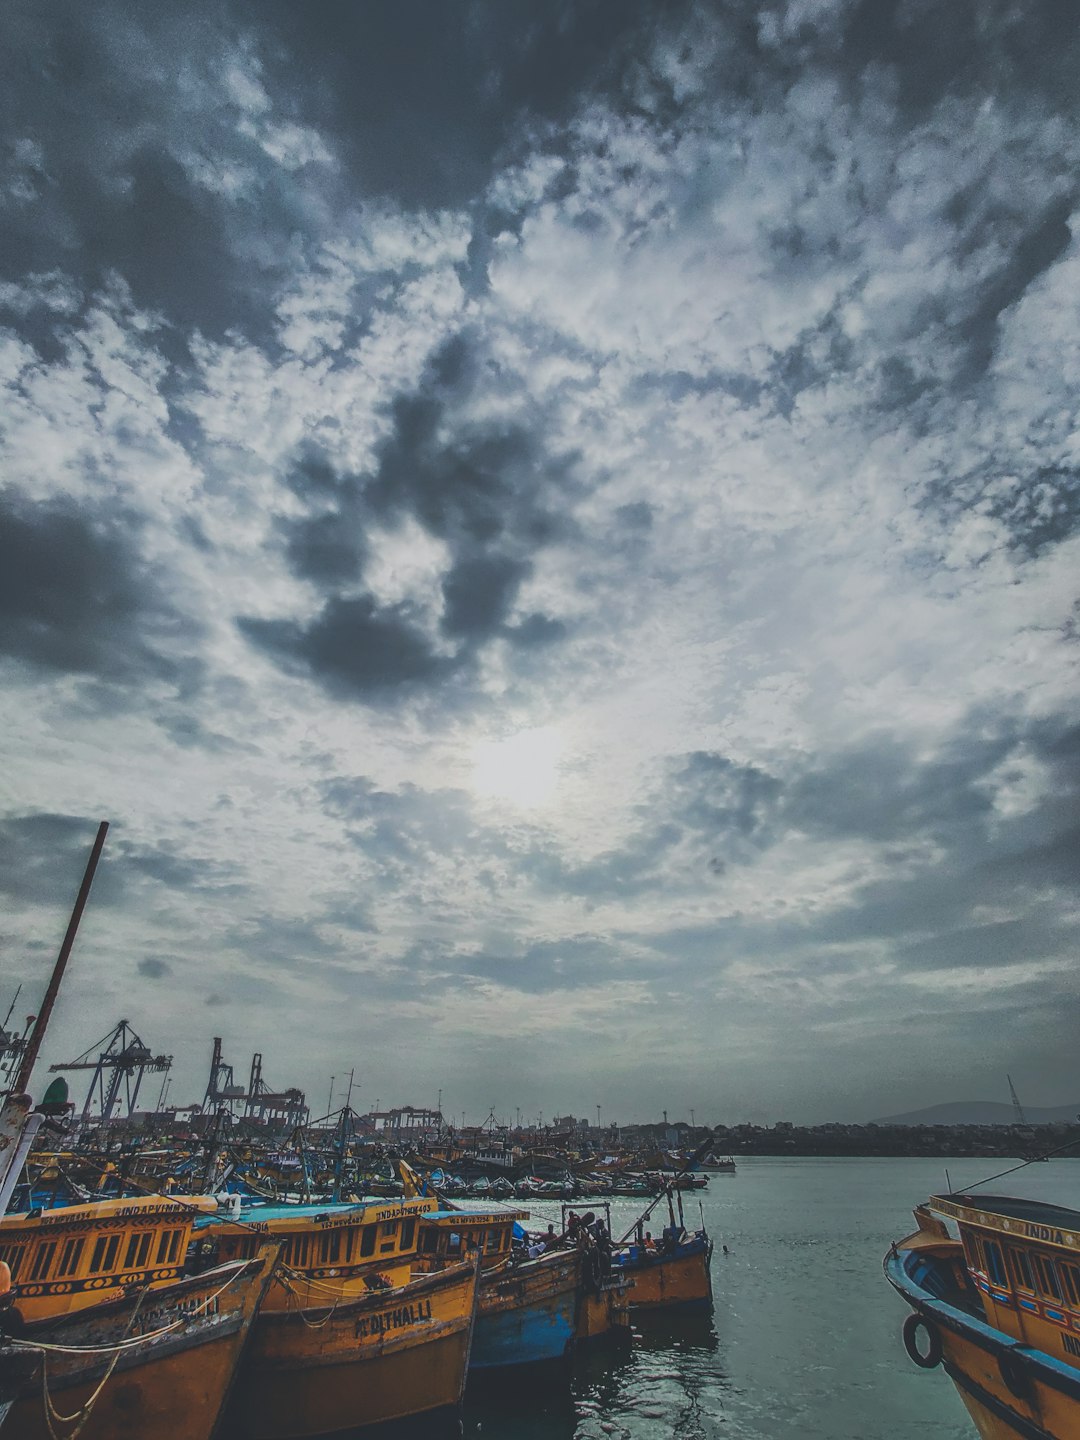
x,y
1037,1212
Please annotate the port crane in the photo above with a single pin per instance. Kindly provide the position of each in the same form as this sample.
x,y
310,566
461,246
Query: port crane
x,y
260,1103
118,1067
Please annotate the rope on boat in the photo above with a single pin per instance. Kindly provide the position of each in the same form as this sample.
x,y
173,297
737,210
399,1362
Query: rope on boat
x,y
295,1298
82,1415
127,1342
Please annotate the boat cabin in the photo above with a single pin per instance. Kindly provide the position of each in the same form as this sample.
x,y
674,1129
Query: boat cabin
x,y
340,1249
447,1236
77,1255
1023,1258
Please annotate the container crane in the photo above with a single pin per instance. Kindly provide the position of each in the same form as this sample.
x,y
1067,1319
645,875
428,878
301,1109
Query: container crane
x,y
120,1066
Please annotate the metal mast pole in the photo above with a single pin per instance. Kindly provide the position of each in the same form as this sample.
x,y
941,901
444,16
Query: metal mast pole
x,y
33,1045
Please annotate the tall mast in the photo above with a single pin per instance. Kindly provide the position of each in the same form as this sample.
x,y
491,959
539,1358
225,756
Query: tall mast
x,y
37,1035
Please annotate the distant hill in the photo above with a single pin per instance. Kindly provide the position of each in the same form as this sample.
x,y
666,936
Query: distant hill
x,y
983,1112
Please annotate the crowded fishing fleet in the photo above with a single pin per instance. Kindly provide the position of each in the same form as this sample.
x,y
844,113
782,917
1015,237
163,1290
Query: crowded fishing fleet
x,y
241,1269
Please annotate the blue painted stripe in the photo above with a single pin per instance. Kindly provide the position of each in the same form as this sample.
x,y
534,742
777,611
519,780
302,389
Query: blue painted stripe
x,y
1055,1315
1049,1368
528,1335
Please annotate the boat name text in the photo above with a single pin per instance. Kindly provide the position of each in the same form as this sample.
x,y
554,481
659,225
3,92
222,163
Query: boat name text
x,y
1044,1232
413,1314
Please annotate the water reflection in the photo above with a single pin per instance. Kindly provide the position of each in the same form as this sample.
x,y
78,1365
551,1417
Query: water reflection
x,y
676,1330
668,1376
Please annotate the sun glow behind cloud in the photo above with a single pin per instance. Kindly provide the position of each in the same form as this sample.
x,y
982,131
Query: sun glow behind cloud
x,y
523,769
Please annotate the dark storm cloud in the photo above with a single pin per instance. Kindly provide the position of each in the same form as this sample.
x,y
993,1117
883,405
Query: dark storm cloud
x,y
129,152
355,648
490,493
927,50
76,598
183,873
104,98
422,97
153,968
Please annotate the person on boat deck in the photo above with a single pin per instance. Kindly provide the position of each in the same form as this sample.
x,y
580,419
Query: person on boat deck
x,y
650,1243
550,1239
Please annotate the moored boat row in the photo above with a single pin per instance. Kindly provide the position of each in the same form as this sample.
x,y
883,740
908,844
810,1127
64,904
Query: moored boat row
x,y
292,1321
171,1313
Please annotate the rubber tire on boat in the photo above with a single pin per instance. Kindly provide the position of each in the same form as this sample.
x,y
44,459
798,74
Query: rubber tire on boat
x,y
1014,1373
931,1357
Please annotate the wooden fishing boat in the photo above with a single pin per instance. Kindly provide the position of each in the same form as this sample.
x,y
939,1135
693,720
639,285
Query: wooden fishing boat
x,y
76,1256
347,1336
156,1361
676,1271
993,1283
530,1311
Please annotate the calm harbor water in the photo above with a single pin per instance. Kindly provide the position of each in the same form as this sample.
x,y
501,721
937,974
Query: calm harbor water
x,y
805,1337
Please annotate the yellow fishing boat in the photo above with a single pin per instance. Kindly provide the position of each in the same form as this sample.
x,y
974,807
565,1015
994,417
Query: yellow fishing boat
x,y
993,1283
78,1255
105,1336
159,1362
347,1336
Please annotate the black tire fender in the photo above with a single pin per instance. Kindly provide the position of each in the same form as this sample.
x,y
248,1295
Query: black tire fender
x,y
1014,1373
930,1357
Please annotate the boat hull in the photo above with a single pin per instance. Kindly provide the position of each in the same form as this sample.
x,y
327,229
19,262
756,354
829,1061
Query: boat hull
x,y
175,1385
604,1313
386,1356
527,1315
1011,1391
682,1278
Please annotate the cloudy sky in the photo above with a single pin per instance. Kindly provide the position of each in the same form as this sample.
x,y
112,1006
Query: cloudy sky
x,y
552,533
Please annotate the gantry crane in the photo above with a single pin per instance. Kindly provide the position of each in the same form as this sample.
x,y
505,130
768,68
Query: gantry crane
x,y
273,1107
121,1065
1018,1109
221,1088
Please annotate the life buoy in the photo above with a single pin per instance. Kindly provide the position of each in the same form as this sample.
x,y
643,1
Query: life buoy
x,y
1014,1373
926,1359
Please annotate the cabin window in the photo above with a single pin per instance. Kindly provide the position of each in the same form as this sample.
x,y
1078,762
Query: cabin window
x,y
1021,1269
12,1255
429,1241
106,1249
70,1257
296,1252
169,1247
971,1251
367,1240
329,1247
43,1260
387,1233
138,1250
995,1263
492,1240
408,1232
1047,1276
1070,1278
